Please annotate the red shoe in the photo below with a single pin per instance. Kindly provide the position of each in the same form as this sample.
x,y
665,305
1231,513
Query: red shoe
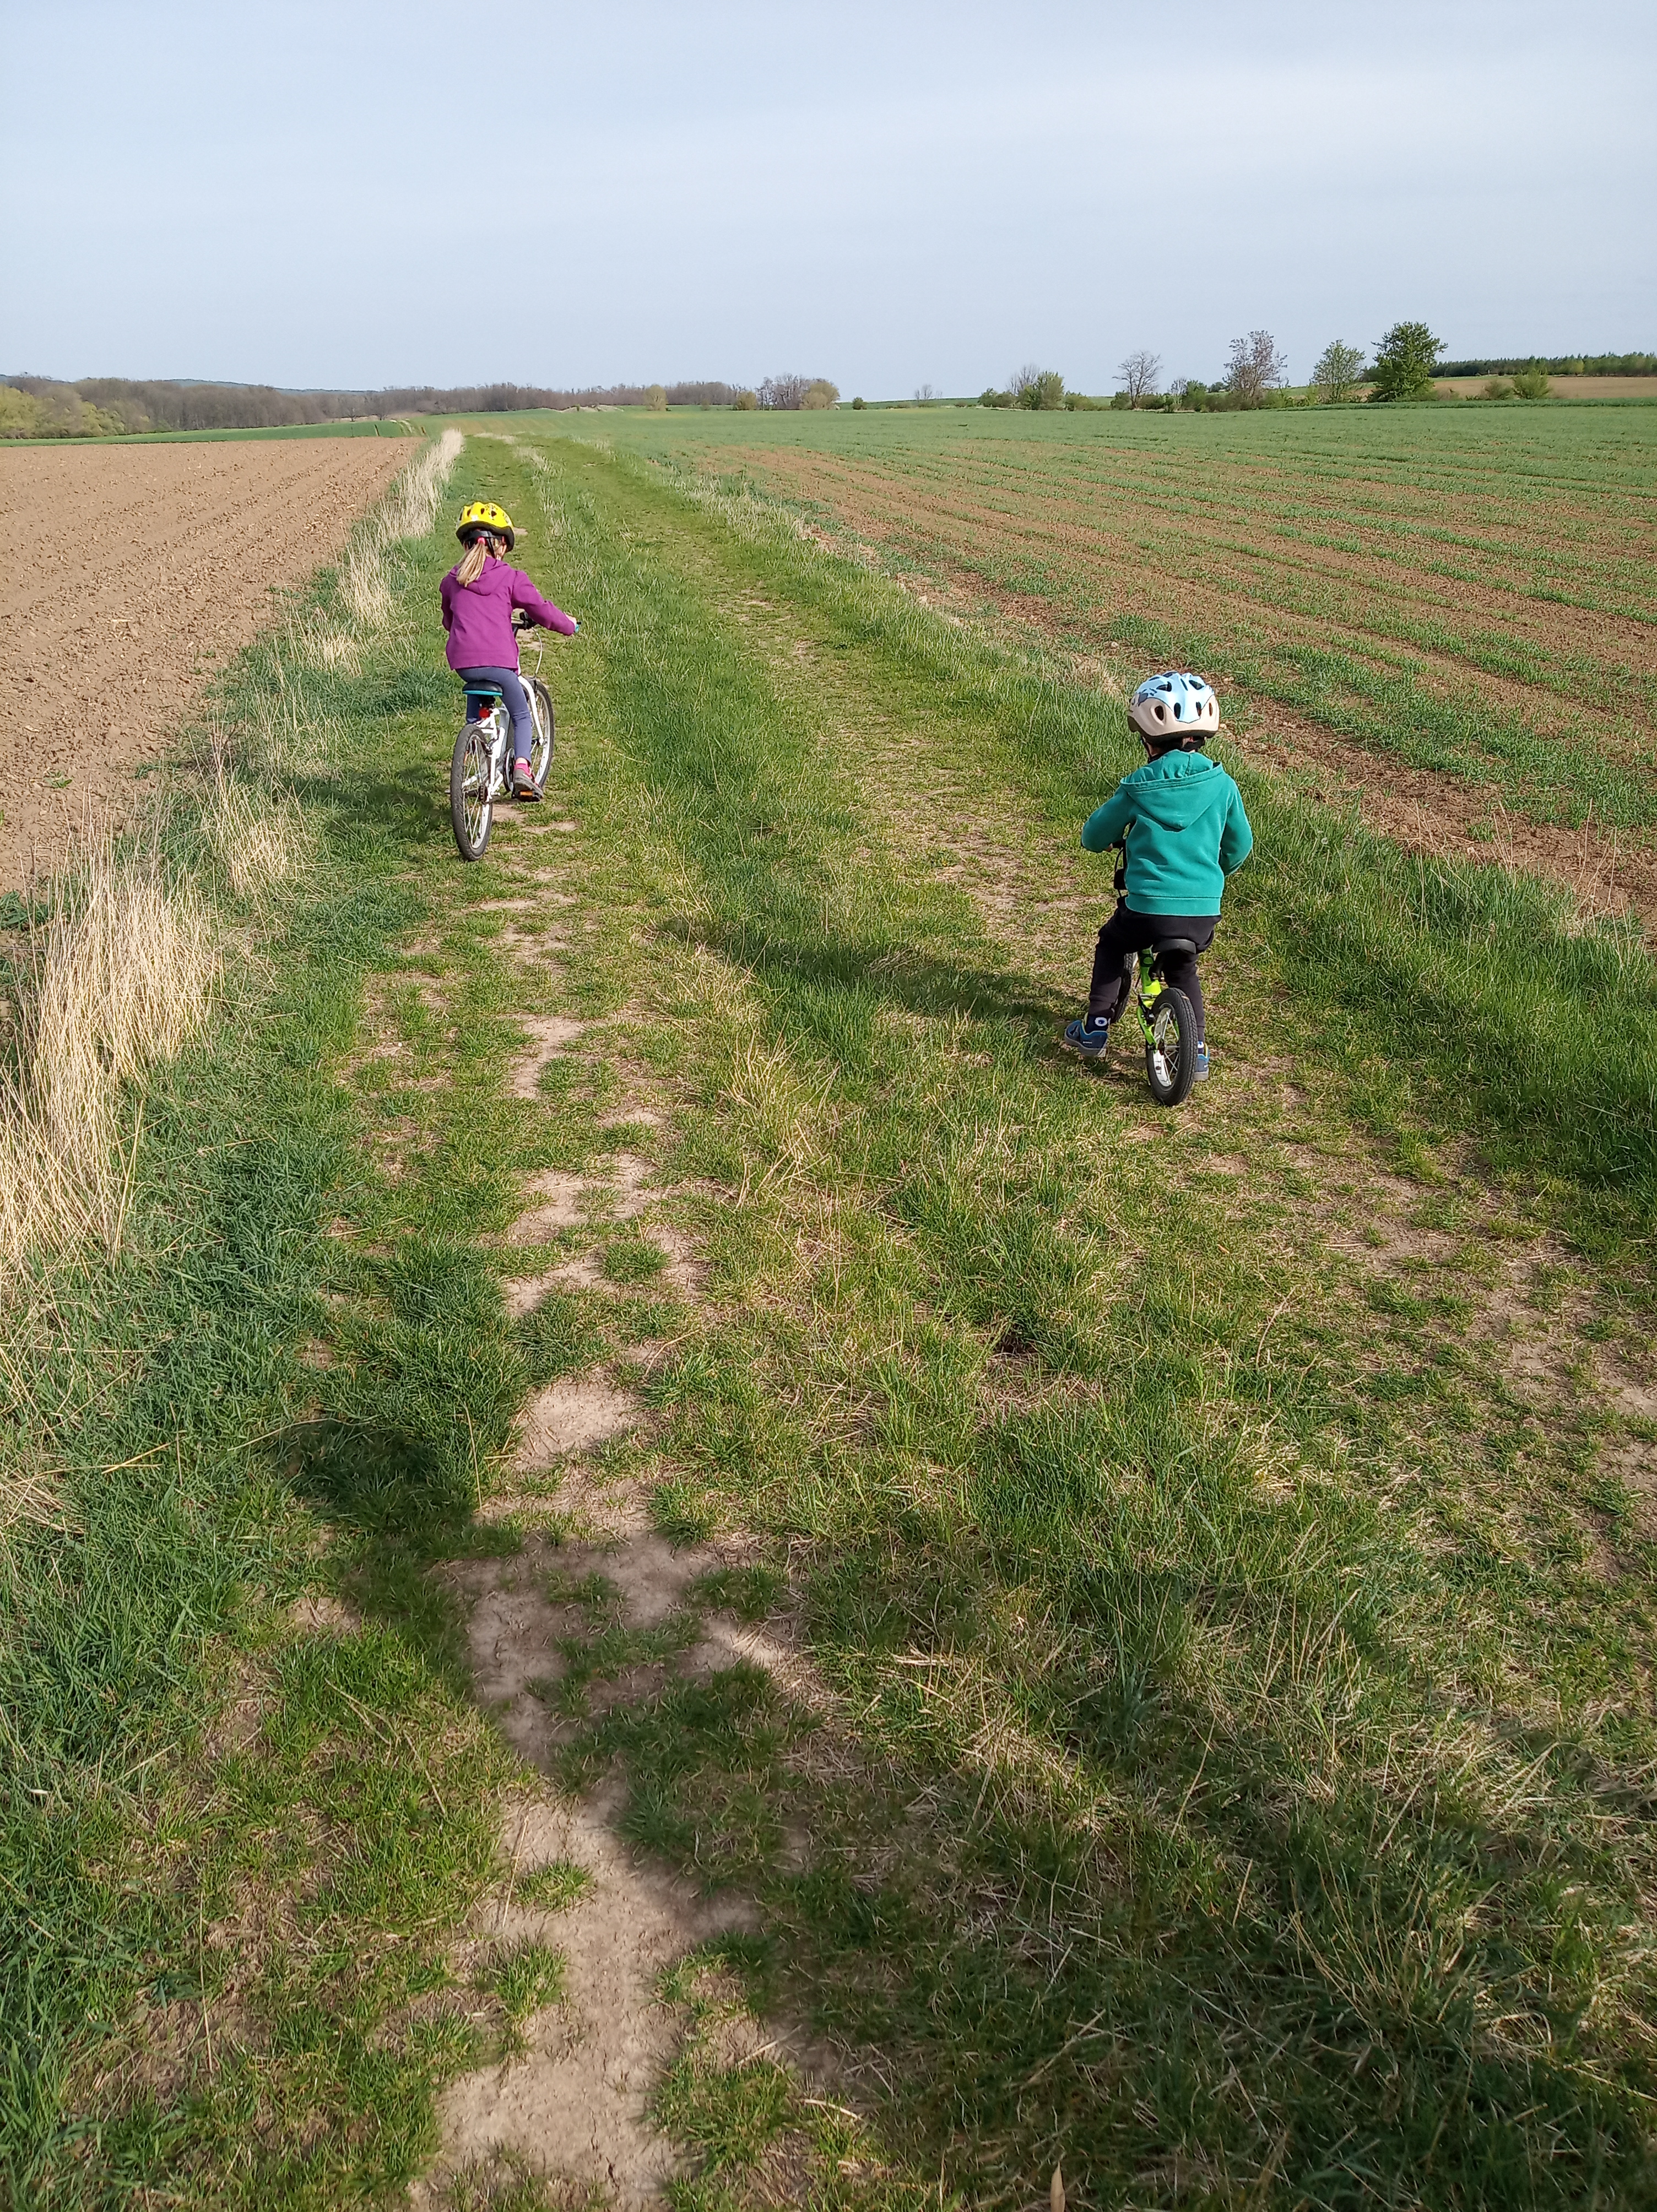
x,y
523,782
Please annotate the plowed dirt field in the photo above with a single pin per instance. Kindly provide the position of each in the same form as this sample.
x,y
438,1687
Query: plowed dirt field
x,y
130,574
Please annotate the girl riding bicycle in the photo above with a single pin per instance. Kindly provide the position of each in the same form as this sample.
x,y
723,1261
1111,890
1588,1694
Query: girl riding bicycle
x,y
479,595
1180,823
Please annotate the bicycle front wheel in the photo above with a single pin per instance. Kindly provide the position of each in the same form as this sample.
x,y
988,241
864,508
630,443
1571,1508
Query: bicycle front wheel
x,y
540,752
1171,1049
470,805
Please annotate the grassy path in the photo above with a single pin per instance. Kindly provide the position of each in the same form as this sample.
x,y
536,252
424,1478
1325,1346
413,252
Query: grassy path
x,y
1145,1555
1019,1630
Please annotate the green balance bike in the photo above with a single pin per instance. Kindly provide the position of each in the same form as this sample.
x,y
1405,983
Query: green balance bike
x,y
1166,1018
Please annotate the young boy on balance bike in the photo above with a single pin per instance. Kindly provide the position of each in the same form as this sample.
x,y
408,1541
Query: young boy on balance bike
x,y
1180,823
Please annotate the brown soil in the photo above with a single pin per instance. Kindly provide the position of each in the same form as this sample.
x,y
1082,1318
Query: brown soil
x,y
131,573
1446,819
1566,387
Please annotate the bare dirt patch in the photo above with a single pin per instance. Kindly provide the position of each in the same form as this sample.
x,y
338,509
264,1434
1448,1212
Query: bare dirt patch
x,y
571,1416
548,1035
576,2102
109,620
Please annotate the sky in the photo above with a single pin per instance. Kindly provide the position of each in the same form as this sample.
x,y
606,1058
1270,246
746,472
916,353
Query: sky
x,y
357,194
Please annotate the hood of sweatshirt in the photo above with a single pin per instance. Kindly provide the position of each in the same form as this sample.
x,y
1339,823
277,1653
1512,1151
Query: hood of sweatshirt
x,y
1177,790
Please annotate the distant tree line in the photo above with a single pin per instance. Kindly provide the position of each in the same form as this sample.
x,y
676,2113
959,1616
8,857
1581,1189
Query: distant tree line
x,y
1595,364
39,406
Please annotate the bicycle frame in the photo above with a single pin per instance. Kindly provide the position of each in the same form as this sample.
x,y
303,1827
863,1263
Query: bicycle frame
x,y
497,722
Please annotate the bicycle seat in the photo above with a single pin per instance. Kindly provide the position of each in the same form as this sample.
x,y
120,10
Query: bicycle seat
x,y
1175,945
485,691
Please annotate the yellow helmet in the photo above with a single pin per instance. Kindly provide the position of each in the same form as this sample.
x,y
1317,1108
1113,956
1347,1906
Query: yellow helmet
x,y
484,514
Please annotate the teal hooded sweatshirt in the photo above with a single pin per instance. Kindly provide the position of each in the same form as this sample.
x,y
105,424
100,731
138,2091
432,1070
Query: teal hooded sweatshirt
x,y
1181,820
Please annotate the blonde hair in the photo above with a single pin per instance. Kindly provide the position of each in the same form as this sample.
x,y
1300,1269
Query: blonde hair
x,y
476,554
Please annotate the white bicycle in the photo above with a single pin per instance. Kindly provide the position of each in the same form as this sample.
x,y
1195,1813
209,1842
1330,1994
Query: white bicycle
x,y
480,772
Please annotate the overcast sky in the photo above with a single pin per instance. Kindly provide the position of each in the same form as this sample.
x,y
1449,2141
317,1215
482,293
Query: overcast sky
x,y
360,193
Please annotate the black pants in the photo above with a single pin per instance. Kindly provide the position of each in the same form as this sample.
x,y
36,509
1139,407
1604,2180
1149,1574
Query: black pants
x,y
1127,932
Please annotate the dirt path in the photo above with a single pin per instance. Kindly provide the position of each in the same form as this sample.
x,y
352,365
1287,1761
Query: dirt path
x,y
130,574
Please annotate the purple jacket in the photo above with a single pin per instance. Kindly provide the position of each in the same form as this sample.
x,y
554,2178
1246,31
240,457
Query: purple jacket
x,y
478,616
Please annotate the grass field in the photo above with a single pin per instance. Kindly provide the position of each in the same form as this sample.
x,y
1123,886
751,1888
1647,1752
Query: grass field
x,y
1183,1582
1462,593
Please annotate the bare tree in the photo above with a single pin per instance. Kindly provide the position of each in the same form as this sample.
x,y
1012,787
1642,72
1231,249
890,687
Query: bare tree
x,y
784,391
924,395
1141,375
1255,367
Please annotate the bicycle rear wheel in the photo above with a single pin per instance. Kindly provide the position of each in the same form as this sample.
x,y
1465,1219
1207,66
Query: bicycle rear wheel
x,y
470,805
540,752
1171,1049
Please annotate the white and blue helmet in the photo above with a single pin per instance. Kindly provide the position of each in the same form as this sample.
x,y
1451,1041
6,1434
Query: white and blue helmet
x,y
1173,708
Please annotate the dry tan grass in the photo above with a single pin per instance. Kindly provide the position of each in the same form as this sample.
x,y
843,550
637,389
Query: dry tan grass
x,y
113,982
407,513
259,842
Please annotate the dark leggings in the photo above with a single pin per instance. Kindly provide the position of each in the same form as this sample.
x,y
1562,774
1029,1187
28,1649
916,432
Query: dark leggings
x,y
517,703
1127,932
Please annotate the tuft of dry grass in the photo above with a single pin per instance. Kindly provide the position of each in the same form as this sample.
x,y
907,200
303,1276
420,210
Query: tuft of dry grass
x,y
113,982
407,513
258,845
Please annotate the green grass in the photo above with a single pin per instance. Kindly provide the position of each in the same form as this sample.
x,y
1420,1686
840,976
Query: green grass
x,y
1153,1616
1225,1762
1386,574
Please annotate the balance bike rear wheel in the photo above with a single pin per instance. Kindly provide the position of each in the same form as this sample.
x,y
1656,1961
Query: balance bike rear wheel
x,y
1171,1050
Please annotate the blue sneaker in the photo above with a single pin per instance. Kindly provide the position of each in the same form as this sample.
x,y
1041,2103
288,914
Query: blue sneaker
x,y
1201,1064
1089,1038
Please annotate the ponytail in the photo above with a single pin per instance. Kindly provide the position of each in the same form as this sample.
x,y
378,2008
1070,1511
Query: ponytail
x,y
472,567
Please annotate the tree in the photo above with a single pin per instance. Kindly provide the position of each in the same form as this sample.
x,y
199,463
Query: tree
x,y
924,395
786,392
1337,373
1034,387
746,401
1141,375
655,399
820,394
1255,367
1532,383
1404,361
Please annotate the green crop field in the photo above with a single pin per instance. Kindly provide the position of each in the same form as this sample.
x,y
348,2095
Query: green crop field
x,y
1148,1670
1469,593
